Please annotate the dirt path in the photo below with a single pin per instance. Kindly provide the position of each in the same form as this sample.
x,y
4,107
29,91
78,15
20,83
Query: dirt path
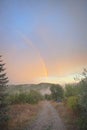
x,y
47,119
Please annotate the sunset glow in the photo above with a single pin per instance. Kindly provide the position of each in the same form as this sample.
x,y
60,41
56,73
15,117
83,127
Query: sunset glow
x,y
43,41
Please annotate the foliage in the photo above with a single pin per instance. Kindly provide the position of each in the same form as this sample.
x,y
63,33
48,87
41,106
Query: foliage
x,y
34,97
76,96
83,105
72,103
31,97
57,92
71,90
82,122
48,97
3,95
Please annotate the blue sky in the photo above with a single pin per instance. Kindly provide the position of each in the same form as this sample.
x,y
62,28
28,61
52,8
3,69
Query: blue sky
x,y
43,39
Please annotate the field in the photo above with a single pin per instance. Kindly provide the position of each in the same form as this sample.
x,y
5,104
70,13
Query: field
x,y
22,115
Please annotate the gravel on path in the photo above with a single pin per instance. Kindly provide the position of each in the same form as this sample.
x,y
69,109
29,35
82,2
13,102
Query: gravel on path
x,y
47,119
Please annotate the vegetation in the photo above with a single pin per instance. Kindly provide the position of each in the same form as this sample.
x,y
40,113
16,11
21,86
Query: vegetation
x,y
76,99
72,103
48,96
83,105
31,97
3,95
21,115
71,90
57,92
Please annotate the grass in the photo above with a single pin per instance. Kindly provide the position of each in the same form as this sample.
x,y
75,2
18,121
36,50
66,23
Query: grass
x,y
21,115
67,116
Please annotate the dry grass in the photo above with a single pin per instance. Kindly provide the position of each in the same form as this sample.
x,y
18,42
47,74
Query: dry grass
x,y
21,115
67,115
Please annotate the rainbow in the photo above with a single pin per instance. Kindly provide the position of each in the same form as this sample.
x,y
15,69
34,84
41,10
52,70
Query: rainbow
x,y
29,42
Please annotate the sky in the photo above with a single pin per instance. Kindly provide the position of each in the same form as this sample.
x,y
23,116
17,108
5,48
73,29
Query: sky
x,y
43,40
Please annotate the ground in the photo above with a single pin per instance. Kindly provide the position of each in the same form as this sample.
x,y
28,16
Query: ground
x,y
47,119
21,115
43,116
67,115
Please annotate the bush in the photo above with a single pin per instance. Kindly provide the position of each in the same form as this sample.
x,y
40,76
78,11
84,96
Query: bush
x,y
82,122
32,97
57,92
72,103
48,97
76,99
83,105
71,90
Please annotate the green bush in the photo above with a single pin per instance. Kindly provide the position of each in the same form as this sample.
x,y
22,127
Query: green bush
x,y
83,105
76,99
48,97
32,97
71,90
82,122
57,92
72,103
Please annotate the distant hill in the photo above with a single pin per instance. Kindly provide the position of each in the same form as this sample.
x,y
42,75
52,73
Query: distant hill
x,y
44,88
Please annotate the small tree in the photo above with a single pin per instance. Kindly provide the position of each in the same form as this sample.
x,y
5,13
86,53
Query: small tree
x,y
83,101
3,104
57,92
71,90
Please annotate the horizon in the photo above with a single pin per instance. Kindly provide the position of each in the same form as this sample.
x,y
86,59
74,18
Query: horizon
x,y
43,41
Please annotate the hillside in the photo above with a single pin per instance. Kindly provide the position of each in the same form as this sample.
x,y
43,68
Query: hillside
x,y
44,88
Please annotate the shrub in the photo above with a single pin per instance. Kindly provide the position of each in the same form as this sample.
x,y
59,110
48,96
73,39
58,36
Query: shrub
x,y
57,92
82,122
83,105
71,90
32,97
72,103
76,99
48,97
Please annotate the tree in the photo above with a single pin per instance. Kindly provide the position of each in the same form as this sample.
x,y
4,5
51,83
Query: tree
x,y
3,95
71,90
83,101
57,92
